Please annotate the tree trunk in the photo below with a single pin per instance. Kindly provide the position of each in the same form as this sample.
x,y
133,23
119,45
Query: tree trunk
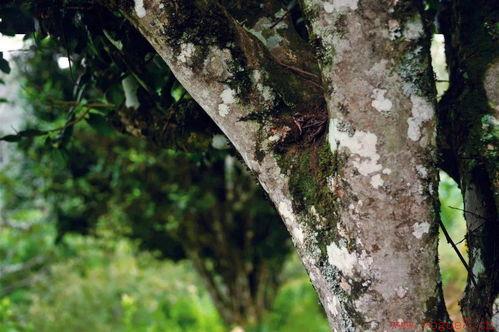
x,y
344,150
225,245
468,141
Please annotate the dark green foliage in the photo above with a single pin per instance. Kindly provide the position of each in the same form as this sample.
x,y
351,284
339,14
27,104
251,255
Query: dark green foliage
x,y
103,49
4,64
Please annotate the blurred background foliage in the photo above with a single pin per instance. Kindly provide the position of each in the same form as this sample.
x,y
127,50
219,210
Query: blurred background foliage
x,y
101,231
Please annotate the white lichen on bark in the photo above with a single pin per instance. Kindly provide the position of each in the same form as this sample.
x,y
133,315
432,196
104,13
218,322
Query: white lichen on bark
x,y
420,229
140,10
340,5
413,29
186,52
342,259
361,145
422,111
228,98
380,102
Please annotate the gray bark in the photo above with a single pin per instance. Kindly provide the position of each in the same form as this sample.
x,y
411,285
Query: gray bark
x,y
345,152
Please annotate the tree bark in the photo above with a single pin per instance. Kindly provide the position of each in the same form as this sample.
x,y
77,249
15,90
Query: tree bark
x,y
468,142
348,158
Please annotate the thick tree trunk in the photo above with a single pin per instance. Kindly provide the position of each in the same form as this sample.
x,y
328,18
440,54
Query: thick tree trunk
x,y
468,141
357,198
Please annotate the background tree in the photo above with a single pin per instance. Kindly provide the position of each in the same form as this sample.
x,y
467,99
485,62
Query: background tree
x,y
337,124
468,141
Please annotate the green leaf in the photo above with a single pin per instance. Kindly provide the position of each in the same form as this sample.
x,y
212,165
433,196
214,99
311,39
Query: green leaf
x,y
23,134
4,64
31,133
11,138
99,123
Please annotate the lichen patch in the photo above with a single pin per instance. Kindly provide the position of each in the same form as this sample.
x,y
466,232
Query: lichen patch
x,y
286,212
422,111
223,110
422,171
139,8
380,102
186,52
401,292
419,229
413,29
341,258
377,181
298,234
340,5
362,145
332,305
228,97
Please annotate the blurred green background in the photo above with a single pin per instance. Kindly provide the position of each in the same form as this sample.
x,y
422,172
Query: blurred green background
x,y
107,285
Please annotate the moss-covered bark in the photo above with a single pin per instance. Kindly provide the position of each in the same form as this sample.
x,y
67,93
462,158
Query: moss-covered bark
x,y
347,155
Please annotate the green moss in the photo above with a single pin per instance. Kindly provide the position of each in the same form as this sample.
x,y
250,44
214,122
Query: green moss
x,y
311,188
309,168
206,25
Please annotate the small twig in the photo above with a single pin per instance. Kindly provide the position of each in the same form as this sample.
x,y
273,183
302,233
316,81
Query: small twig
x,y
298,70
472,231
451,242
76,103
288,10
469,212
72,122
280,19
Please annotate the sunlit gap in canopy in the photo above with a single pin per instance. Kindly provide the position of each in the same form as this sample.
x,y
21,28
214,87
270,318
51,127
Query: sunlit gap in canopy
x,y
452,269
9,45
12,45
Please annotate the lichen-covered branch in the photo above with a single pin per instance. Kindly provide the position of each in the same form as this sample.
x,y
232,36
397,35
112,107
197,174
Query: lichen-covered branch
x,y
380,97
346,155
